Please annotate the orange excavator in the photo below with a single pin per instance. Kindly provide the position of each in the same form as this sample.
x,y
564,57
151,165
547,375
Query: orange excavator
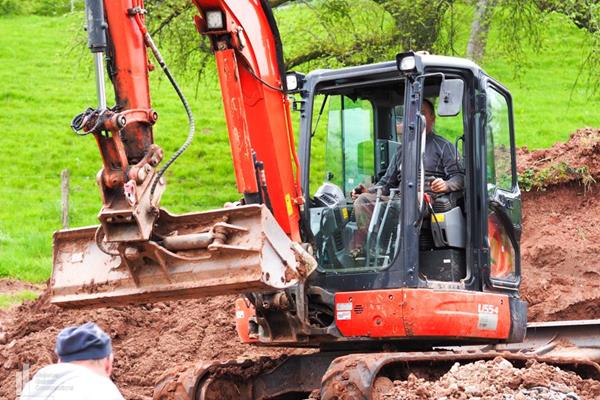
x,y
433,280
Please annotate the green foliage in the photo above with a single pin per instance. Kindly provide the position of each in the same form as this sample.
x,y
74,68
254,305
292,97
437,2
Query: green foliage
x,y
419,21
555,174
520,24
39,7
335,34
171,24
10,7
584,13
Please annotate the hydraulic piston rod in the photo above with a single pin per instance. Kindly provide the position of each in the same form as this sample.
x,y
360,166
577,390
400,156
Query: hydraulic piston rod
x,y
96,28
100,87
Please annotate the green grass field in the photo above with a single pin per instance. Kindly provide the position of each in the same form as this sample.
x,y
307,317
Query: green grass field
x,y
46,78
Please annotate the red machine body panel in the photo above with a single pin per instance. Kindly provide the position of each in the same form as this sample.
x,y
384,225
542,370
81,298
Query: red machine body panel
x,y
130,75
397,313
235,113
244,313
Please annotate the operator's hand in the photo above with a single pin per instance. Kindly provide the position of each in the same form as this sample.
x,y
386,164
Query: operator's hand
x,y
439,186
357,191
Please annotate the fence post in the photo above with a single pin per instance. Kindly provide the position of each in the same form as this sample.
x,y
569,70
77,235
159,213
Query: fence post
x,y
64,185
72,5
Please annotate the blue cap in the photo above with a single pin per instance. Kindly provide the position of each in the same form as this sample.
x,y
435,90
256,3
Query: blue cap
x,y
84,342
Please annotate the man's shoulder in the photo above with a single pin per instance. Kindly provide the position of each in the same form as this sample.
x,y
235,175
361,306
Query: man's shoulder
x,y
68,381
97,387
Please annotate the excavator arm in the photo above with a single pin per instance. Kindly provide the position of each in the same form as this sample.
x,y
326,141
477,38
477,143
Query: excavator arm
x,y
141,252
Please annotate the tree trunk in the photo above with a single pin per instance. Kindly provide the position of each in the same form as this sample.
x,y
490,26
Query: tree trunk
x,y
479,29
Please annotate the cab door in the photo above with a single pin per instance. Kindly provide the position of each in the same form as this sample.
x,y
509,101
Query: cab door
x,y
504,196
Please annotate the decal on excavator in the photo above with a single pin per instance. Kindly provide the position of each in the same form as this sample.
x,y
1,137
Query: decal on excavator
x,y
488,317
343,311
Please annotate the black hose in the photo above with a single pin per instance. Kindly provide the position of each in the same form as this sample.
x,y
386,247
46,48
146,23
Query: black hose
x,y
100,243
188,110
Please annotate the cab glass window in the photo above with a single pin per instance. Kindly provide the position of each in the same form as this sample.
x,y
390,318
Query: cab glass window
x,y
345,131
498,138
348,237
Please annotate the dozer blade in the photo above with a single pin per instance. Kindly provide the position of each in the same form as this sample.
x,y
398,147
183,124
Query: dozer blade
x,y
227,251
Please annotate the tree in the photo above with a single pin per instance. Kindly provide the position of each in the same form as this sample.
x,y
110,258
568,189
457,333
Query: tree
x,y
348,31
480,27
335,33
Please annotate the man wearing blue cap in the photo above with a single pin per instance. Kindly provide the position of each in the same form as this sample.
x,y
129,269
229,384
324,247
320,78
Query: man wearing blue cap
x,y
83,371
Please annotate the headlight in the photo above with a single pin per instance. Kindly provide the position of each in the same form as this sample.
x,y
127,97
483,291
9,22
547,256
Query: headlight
x,y
408,64
215,20
292,82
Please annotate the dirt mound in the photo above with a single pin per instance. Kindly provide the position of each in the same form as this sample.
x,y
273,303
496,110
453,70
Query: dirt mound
x,y
147,339
561,236
497,379
560,248
577,160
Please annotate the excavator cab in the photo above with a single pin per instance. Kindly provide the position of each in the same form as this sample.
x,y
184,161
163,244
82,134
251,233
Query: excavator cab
x,y
354,121
358,148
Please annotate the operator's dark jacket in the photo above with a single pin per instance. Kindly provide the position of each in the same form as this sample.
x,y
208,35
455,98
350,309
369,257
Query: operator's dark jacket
x,y
439,160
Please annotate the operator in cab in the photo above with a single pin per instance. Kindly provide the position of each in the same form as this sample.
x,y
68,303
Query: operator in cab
x,y
440,160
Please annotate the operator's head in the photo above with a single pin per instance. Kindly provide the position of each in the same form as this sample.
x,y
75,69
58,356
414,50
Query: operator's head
x,y
398,113
399,126
428,111
86,345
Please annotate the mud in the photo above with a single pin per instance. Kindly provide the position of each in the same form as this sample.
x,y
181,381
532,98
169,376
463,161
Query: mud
x,y
561,236
147,339
561,280
497,379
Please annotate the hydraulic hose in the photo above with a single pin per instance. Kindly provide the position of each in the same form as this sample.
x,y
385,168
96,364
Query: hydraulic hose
x,y
137,13
190,116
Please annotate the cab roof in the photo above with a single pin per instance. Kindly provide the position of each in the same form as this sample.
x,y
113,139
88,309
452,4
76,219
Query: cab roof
x,y
390,67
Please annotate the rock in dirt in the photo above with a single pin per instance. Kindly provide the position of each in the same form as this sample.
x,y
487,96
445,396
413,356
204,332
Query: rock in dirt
x,y
497,379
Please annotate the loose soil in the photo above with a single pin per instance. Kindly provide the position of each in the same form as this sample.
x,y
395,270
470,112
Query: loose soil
x,y
497,379
560,245
147,339
561,280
